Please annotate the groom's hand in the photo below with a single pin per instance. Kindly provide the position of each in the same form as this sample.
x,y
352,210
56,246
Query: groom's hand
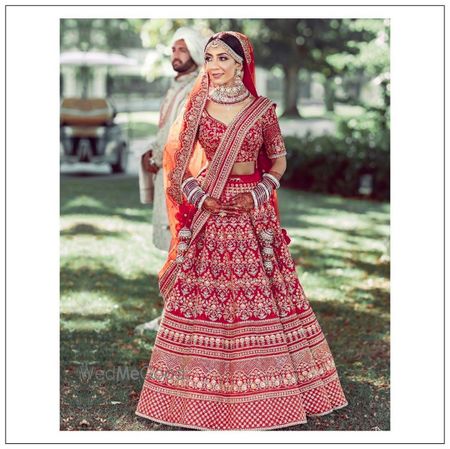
x,y
148,166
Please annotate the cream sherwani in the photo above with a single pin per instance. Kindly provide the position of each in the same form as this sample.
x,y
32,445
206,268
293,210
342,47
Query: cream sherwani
x,y
170,109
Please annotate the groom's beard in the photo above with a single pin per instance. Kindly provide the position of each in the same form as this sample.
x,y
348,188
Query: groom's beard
x,y
181,68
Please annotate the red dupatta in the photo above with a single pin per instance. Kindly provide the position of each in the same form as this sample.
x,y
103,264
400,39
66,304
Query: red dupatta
x,y
183,154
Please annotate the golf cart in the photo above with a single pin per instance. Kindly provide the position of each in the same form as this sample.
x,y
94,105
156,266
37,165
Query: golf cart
x,y
88,133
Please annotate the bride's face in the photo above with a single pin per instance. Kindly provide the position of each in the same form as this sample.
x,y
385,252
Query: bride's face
x,y
220,66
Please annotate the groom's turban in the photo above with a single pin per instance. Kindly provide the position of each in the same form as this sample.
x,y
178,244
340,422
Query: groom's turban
x,y
195,43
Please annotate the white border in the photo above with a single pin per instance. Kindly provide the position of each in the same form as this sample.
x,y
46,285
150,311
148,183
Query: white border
x,y
33,223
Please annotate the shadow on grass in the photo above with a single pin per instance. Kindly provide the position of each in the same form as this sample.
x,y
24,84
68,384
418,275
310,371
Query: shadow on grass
x,y
88,229
324,259
102,280
103,196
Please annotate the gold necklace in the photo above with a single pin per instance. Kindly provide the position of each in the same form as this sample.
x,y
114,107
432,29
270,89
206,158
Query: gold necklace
x,y
235,93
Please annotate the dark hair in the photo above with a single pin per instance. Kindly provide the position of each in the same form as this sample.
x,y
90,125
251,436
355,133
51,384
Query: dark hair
x,y
232,41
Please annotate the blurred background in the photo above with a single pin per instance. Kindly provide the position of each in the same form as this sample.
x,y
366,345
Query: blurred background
x,y
330,79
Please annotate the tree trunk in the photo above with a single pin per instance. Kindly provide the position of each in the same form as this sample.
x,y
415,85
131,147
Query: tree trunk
x,y
386,102
291,91
308,85
329,94
358,87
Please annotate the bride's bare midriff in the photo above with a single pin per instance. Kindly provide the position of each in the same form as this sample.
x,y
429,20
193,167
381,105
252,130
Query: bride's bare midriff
x,y
243,168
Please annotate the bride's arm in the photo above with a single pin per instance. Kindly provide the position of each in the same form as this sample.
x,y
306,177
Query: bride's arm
x,y
273,140
278,167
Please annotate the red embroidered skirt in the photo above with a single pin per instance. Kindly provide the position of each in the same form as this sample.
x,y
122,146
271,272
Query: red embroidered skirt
x,y
239,346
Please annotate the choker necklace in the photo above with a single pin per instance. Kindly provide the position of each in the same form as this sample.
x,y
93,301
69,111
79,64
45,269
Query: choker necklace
x,y
229,94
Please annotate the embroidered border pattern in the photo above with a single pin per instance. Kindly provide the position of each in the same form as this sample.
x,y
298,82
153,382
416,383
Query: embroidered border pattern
x,y
183,154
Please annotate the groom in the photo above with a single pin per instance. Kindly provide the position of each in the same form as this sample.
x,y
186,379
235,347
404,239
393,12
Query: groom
x,y
187,58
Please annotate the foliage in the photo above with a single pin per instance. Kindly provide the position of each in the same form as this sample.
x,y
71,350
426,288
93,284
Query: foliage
x,y
370,57
335,164
100,34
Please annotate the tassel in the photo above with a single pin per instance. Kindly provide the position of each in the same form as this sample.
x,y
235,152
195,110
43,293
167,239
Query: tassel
x,y
267,237
184,235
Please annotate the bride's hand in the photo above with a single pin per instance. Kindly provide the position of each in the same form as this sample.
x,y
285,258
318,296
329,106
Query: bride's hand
x,y
212,205
215,207
242,202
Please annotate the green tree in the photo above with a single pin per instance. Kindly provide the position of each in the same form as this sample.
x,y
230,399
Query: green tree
x,y
291,44
371,58
303,44
100,34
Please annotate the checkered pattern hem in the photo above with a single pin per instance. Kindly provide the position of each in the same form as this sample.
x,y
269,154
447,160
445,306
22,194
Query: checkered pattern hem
x,y
204,428
256,413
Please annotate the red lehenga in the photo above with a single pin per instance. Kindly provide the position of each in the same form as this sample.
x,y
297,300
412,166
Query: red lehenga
x,y
239,346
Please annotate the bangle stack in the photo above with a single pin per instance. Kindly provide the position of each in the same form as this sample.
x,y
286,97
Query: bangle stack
x,y
262,192
193,192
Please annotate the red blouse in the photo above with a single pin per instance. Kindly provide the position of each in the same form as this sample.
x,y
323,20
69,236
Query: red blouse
x,y
264,132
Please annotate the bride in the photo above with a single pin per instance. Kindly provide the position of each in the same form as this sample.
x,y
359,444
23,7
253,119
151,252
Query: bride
x,y
239,346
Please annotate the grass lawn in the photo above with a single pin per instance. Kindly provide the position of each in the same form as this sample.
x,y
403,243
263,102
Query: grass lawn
x,y
109,285
139,125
